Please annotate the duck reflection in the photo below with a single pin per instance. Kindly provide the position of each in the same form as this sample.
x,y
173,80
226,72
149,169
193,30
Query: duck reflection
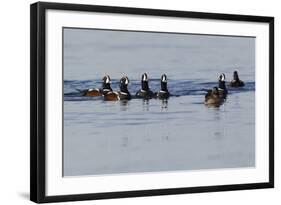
x,y
124,105
145,105
164,105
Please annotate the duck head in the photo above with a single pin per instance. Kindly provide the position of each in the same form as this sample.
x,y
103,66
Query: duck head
x,y
124,81
164,82
222,81
235,76
106,82
144,82
222,77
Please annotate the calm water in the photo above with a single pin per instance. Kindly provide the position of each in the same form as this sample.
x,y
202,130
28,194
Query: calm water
x,y
144,136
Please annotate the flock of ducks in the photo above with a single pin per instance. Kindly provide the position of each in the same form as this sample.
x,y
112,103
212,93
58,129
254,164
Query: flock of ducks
x,y
124,94
217,95
214,97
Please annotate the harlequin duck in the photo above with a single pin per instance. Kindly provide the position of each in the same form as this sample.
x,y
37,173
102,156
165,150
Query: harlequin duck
x,y
163,93
213,98
99,91
236,82
145,92
123,94
222,88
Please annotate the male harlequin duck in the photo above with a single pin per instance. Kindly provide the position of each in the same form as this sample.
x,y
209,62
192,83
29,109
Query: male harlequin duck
x,y
163,93
213,98
145,92
222,88
236,82
123,94
99,91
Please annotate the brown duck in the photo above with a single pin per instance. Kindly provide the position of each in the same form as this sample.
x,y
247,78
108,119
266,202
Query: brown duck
x,y
214,98
93,92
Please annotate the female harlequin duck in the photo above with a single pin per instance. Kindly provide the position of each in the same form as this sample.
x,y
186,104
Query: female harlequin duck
x,y
123,94
145,92
236,82
213,97
222,88
163,93
99,91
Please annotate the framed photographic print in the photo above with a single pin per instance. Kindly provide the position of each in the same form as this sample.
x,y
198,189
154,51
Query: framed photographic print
x,y
129,102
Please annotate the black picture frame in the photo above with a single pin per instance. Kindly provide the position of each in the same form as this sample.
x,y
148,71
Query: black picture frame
x,y
38,101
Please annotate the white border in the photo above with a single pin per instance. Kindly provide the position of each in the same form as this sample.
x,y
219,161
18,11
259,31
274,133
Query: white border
x,y
57,185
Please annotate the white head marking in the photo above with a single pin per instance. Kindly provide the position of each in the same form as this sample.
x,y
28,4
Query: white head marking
x,y
126,81
144,77
222,77
107,79
164,78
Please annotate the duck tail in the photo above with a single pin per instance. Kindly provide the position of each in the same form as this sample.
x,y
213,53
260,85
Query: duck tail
x,y
82,92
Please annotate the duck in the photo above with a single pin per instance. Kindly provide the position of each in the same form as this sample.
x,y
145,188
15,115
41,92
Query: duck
x,y
94,92
236,82
213,97
222,88
123,94
163,93
145,92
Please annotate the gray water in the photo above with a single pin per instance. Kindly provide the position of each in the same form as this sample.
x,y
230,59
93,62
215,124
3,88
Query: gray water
x,y
152,136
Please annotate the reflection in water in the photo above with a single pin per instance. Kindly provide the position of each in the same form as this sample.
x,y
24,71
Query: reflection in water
x,y
150,136
145,105
215,105
236,102
164,105
125,141
165,138
217,114
124,105
218,135
220,119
